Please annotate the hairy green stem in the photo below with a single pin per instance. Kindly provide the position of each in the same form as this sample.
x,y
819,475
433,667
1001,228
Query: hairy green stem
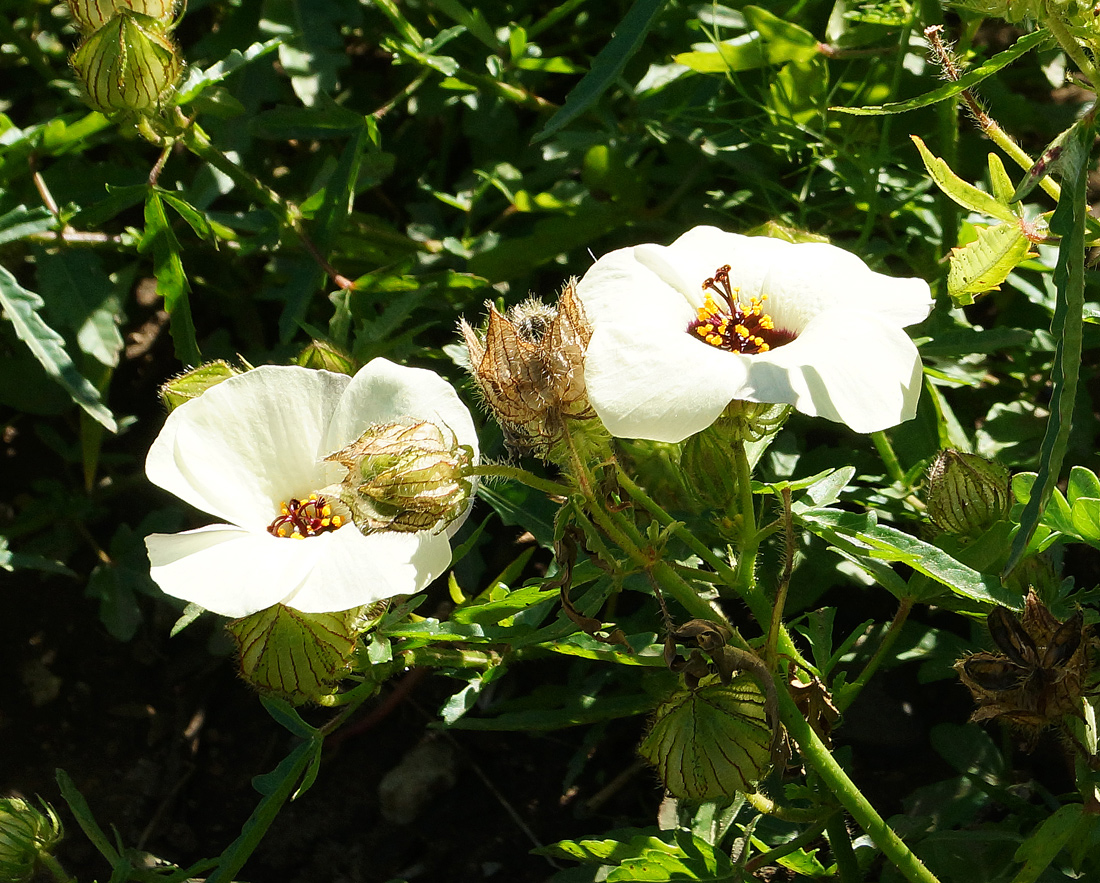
x,y
749,547
889,458
514,473
1071,47
815,754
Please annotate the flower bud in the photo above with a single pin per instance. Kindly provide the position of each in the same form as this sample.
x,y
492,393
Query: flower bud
x,y
967,493
127,65
711,742
529,368
192,384
298,656
25,835
325,356
90,15
404,477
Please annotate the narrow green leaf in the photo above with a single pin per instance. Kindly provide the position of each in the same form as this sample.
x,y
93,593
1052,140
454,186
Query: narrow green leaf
x,y
77,288
83,814
21,308
172,282
22,221
606,66
1068,221
276,786
1046,841
958,190
860,535
982,265
474,21
198,80
967,81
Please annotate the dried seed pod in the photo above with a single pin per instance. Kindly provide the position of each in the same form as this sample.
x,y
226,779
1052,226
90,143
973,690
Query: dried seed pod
x,y
529,368
404,477
1038,678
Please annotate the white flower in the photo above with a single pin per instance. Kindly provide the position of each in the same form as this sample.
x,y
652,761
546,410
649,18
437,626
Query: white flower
x,y
256,442
833,346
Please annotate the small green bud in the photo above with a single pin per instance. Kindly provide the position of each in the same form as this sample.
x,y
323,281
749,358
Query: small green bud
x,y
404,477
711,742
967,493
192,384
90,15
127,65
709,469
25,835
319,354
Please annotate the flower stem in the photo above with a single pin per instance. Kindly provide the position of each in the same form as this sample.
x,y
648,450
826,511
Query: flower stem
x,y
889,458
851,691
514,473
54,867
815,753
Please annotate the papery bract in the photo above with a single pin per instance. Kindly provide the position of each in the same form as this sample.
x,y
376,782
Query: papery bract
x,y
816,328
253,448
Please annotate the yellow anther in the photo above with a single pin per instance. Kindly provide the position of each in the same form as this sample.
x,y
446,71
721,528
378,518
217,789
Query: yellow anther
x,y
337,521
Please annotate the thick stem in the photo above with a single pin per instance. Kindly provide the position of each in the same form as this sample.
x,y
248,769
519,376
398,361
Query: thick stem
x,y
815,754
889,458
846,865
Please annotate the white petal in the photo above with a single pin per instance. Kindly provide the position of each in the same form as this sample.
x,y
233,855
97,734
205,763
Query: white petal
x,y
659,385
619,287
702,250
812,277
227,570
354,569
852,367
248,443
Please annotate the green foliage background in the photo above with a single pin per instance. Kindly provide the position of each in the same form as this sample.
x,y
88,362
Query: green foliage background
x,y
439,154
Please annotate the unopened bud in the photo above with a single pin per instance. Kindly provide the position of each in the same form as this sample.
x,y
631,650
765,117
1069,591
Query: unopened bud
x,y
529,368
967,493
298,656
711,742
26,834
405,477
191,384
319,354
90,15
127,65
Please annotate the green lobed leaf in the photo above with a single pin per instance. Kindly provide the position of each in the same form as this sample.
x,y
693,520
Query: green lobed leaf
x,y
958,190
77,288
606,66
982,265
1068,221
1046,841
21,307
21,222
967,81
198,80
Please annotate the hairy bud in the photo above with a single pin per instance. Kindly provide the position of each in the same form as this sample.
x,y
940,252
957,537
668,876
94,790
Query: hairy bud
x,y
192,384
318,354
404,477
967,493
127,65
